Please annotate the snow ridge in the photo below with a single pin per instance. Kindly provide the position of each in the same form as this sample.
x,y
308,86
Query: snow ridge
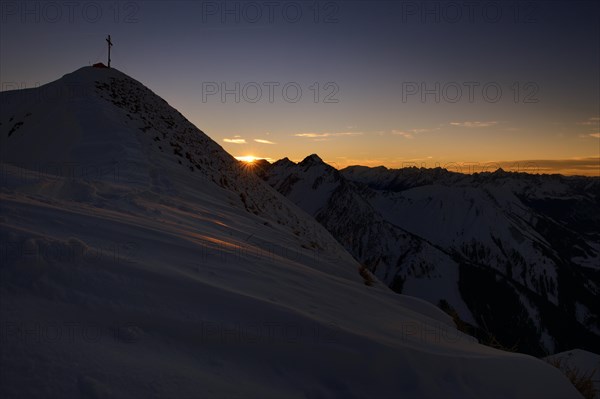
x,y
139,259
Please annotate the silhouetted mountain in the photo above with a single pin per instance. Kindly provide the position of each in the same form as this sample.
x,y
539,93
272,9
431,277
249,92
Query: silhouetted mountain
x,y
514,257
139,259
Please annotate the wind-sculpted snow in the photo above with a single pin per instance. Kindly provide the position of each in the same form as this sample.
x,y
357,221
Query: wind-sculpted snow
x,y
140,260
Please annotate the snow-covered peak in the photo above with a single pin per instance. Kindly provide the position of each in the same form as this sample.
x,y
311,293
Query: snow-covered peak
x,y
139,259
104,127
101,120
284,162
311,160
443,236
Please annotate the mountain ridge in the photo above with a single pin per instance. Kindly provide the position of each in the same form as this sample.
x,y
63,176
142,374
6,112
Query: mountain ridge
x,y
141,260
503,224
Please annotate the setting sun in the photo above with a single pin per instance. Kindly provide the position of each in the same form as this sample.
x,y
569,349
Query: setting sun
x,y
418,220
247,158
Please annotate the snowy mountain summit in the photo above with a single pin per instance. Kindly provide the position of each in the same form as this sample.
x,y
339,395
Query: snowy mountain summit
x,y
139,259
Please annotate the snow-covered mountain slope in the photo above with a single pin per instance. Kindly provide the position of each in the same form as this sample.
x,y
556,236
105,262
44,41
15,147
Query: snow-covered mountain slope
x,y
513,255
581,364
139,259
403,261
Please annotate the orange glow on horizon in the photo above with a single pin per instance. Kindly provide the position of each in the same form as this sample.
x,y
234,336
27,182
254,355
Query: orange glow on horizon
x,y
249,159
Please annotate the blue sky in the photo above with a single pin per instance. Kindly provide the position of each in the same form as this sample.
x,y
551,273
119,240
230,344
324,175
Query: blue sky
x,y
391,83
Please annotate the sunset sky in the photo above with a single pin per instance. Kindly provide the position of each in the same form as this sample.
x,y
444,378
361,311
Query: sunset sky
x,y
466,85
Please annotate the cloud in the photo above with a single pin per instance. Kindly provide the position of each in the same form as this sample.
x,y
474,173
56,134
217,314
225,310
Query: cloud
x,y
593,122
401,133
474,124
323,136
410,133
589,166
312,135
417,131
235,140
590,122
261,141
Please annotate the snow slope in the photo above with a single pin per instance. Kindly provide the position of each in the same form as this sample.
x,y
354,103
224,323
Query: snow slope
x,y
584,362
539,233
401,260
139,259
512,255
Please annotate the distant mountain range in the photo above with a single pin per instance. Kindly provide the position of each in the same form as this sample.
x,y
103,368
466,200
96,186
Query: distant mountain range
x,y
141,260
513,257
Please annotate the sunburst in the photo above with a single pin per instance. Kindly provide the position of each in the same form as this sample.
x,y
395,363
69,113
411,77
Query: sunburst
x,y
249,159
248,162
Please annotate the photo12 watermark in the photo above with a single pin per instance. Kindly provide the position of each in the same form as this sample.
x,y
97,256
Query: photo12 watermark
x,y
425,333
211,253
108,171
68,332
69,12
267,332
470,167
469,12
270,12
71,251
42,94
270,92
469,92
